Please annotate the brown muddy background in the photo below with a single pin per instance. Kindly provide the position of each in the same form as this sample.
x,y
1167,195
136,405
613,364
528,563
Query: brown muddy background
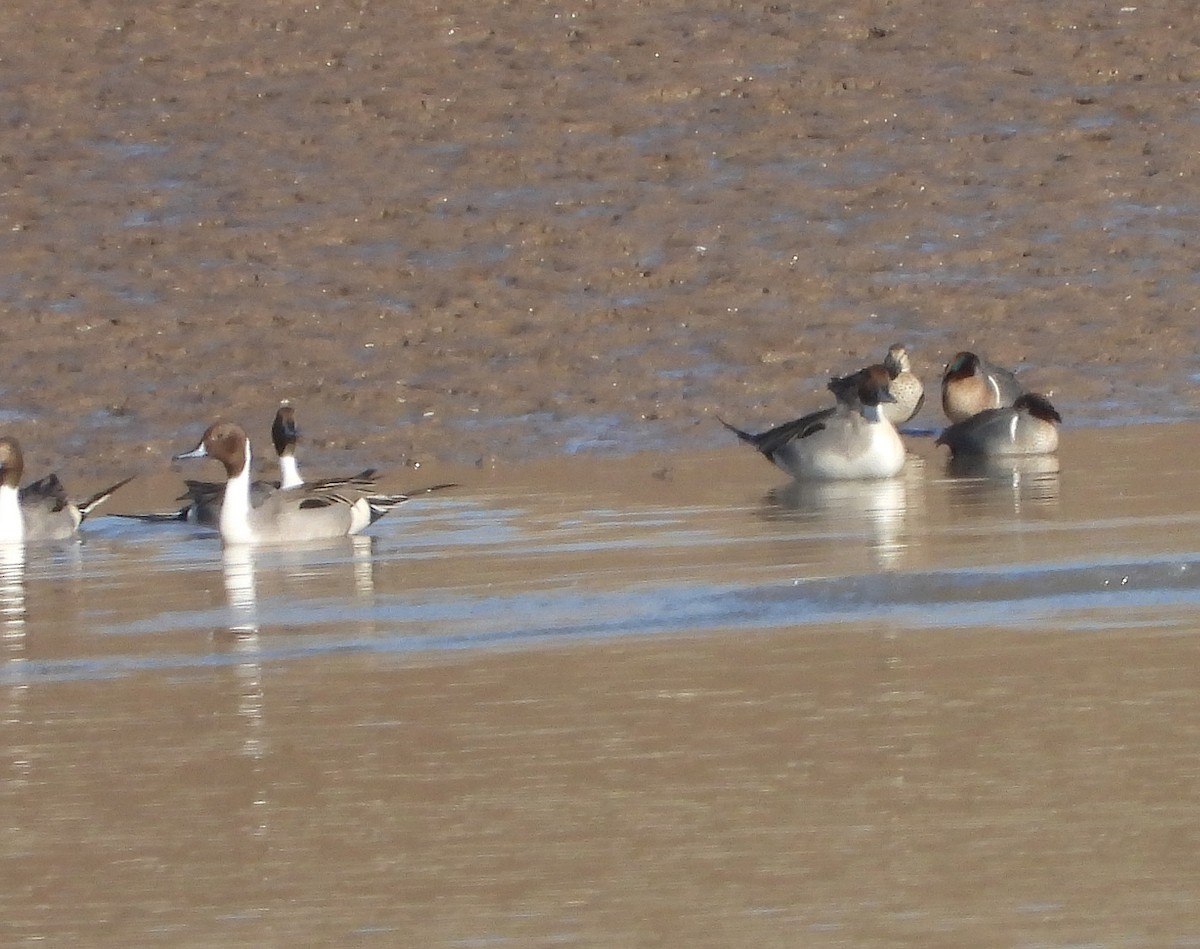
x,y
471,232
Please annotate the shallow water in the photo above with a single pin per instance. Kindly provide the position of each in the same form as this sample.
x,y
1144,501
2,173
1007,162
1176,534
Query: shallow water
x,y
489,231
681,705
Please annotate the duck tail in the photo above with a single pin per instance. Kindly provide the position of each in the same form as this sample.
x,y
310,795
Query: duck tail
x,y
743,435
432,488
157,517
380,504
86,507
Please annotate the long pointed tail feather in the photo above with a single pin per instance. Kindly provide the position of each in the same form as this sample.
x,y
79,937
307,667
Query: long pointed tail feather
x,y
744,436
157,517
86,507
380,504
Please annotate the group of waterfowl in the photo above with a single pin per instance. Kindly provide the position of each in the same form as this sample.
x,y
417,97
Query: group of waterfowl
x,y
244,511
290,510
991,415
855,438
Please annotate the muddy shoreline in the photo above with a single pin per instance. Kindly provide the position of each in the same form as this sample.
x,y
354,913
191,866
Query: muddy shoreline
x,y
474,235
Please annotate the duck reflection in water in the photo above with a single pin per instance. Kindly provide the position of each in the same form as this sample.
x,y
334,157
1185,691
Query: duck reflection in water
x,y
241,595
875,511
241,601
1021,480
12,596
12,635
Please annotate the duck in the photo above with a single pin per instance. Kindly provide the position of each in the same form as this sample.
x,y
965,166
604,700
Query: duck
x,y
41,510
1027,427
310,512
844,442
904,385
971,384
203,498
284,436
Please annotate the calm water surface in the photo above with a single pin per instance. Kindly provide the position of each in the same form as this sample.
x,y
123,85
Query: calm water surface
x,y
616,703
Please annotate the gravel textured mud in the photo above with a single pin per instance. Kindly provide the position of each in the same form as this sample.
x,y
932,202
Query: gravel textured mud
x,y
477,232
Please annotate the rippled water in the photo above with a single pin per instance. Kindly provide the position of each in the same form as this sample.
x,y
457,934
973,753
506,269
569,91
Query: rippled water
x,y
682,704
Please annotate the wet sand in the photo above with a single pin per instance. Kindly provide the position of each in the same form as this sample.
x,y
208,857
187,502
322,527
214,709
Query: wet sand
x,y
475,233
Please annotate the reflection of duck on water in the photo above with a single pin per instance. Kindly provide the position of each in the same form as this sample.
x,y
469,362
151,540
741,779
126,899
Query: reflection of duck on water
x,y
12,624
1003,467
876,509
12,592
363,560
241,595
241,600
986,479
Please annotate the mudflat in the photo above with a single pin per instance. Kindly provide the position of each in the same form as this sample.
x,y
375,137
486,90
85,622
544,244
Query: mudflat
x,y
481,232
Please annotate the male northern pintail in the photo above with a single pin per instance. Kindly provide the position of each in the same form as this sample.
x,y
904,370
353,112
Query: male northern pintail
x,y
39,511
284,436
840,443
1027,427
204,497
904,386
971,384
310,512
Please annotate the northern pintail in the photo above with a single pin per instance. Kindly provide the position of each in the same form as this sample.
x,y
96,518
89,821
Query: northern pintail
x,y
840,443
206,496
307,513
1027,427
39,511
284,436
203,498
970,385
905,387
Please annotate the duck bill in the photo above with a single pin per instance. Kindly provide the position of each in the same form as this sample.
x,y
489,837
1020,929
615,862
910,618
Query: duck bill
x,y
198,452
